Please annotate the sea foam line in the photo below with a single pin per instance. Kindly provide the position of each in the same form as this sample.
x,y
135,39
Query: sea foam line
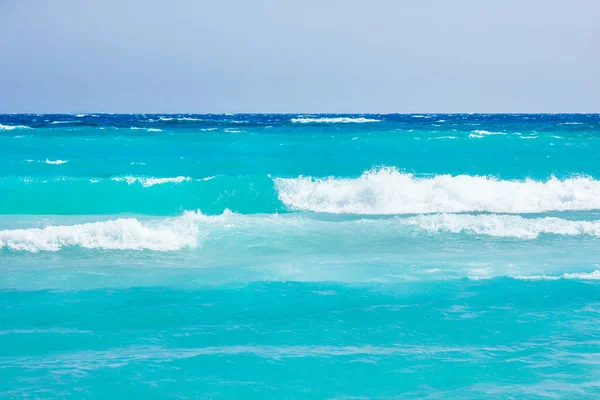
x,y
388,191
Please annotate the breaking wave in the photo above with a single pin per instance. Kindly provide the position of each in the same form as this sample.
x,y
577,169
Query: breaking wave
x,y
186,231
388,191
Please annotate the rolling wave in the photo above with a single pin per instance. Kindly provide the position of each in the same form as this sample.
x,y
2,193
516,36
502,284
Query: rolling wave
x,y
388,191
185,231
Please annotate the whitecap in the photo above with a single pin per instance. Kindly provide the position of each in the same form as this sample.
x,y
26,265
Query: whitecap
x,y
479,133
11,127
336,120
150,181
56,162
388,191
119,234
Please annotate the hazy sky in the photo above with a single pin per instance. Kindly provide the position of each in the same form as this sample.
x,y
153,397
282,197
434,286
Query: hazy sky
x,y
300,56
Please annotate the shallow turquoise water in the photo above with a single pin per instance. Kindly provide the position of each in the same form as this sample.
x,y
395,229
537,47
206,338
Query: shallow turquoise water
x,y
288,256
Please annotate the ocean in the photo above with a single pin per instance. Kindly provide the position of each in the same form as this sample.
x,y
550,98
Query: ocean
x,y
300,256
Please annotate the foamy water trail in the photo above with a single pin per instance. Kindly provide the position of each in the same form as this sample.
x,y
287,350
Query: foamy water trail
x,y
503,225
388,191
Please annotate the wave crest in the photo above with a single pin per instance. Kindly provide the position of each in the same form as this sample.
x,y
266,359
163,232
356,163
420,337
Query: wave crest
x,y
119,234
388,191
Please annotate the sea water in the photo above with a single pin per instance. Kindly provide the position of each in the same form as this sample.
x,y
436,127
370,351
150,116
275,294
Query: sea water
x,y
299,256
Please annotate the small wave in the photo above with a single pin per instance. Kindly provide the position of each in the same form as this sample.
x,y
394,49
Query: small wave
x,y
81,115
388,191
572,123
63,122
588,276
119,234
479,133
11,127
166,119
154,130
337,120
147,182
528,137
56,162
444,137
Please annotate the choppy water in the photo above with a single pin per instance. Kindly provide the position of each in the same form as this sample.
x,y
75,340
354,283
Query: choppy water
x,y
300,256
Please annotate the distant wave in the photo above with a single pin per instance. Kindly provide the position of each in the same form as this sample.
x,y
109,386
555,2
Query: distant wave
x,y
56,162
388,191
336,120
479,133
11,127
189,119
147,182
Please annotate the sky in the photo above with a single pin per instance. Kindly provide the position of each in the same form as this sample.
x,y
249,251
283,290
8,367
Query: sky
x,y
233,56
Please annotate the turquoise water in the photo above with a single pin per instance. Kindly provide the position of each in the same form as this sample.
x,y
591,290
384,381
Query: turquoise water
x,y
300,256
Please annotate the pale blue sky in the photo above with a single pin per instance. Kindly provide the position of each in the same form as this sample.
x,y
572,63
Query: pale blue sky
x,y
299,56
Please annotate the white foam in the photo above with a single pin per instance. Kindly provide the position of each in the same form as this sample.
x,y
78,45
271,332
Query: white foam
x,y
11,127
56,162
81,115
147,182
119,234
180,119
388,191
337,120
572,123
503,225
479,133
588,276
154,130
